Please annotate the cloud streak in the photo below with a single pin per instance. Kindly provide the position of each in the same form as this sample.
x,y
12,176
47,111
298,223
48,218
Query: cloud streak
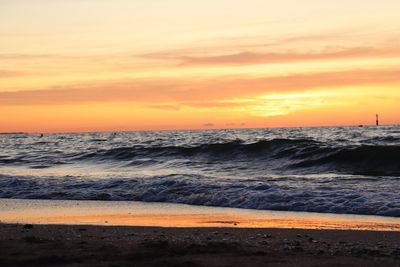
x,y
249,58
160,93
27,56
8,74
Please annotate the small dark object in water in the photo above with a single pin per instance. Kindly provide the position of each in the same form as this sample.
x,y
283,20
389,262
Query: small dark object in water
x,y
28,226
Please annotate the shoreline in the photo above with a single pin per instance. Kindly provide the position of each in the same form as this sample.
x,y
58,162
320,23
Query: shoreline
x,y
124,213
56,233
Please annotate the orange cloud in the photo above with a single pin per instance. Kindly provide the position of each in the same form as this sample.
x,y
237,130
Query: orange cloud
x,y
199,93
165,107
249,58
7,73
26,56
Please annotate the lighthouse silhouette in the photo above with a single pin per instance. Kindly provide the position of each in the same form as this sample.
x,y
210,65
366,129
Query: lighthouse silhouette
x,y
377,119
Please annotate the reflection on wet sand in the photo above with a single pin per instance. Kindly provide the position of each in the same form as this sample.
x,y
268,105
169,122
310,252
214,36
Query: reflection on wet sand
x,y
175,215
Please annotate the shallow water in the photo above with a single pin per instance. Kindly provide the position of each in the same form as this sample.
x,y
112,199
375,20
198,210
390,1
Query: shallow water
x,y
349,170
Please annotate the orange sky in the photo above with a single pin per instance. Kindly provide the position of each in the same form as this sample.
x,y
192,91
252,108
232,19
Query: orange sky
x,y
98,65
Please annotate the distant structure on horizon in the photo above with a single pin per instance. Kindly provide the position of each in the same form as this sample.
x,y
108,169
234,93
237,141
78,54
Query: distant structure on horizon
x,y
377,119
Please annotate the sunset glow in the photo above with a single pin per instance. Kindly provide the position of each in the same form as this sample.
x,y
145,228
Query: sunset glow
x,y
98,65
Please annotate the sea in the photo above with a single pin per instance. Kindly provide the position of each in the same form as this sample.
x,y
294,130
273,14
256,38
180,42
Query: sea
x,y
341,170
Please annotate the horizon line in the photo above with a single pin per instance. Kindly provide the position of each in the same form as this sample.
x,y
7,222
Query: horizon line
x,y
195,129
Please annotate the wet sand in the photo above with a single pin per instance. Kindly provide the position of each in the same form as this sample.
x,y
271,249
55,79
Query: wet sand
x,y
60,236
126,213
66,245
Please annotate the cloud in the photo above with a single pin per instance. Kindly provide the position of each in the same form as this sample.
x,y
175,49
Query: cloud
x,y
165,107
8,73
231,44
167,93
249,58
208,125
215,104
26,56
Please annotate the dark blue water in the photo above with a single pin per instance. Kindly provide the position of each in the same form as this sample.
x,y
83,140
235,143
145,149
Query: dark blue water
x,y
336,170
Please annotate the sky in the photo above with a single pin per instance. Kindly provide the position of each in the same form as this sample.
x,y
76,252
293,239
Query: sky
x,y
100,65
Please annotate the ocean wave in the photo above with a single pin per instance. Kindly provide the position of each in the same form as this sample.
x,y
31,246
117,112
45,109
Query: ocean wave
x,y
337,195
231,149
350,170
365,159
293,154
282,155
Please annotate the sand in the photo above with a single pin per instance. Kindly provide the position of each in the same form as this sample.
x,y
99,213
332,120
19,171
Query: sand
x,y
65,245
50,241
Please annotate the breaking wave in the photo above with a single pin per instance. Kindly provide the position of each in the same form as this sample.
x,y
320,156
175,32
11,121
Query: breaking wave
x,y
335,195
293,155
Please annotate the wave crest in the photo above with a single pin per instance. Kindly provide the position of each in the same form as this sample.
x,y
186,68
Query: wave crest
x,y
292,154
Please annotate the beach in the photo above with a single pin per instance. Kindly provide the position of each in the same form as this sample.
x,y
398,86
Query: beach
x,y
254,197
58,233
68,245
199,133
